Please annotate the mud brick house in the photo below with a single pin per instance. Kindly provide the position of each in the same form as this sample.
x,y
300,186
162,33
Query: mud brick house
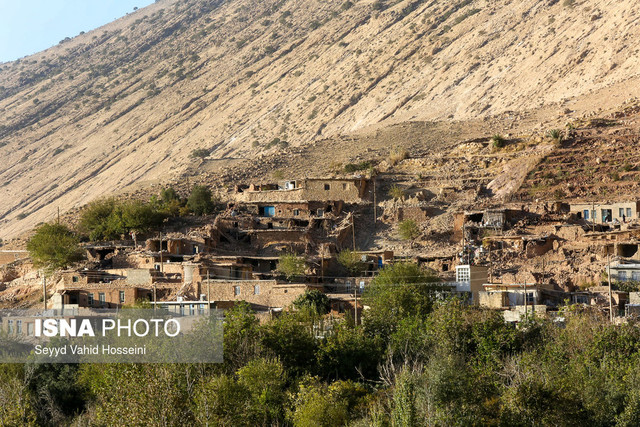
x,y
501,296
606,212
263,294
348,190
7,257
473,275
267,235
624,272
302,210
106,251
473,225
100,295
177,245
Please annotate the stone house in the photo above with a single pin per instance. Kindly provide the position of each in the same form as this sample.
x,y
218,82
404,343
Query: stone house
x,y
606,212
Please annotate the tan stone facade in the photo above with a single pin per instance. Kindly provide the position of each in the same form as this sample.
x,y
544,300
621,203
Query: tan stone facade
x,y
348,190
263,293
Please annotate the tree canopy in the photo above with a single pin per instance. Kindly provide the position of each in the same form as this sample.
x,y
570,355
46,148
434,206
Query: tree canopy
x,y
54,247
200,201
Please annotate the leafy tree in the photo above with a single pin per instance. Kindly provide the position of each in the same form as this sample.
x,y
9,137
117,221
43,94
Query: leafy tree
x,y
319,404
352,261
16,407
408,230
133,215
241,336
139,394
265,381
404,412
94,218
220,401
199,153
200,200
315,300
289,338
54,246
291,265
400,290
168,195
57,393
349,353
110,219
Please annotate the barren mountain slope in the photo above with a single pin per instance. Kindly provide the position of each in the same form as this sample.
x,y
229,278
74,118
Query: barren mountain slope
x,y
130,101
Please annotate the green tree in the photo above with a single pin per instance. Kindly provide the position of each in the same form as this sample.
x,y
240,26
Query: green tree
x,y
319,404
352,261
16,407
291,265
290,338
133,215
349,353
110,219
94,218
168,195
314,300
265,381
408,230
399,291
220,401
404,412
54,246
139,394
200,200
242,336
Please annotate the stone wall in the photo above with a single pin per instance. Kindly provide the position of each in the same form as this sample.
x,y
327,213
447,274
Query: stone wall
x,y
269,293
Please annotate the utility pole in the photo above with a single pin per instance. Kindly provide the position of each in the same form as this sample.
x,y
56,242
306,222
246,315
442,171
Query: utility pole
x,y
353,230
154,297
375,209
490,265
525,301
463,242
609,279
208,289
322,263
44,290
355,294
161,260
58,215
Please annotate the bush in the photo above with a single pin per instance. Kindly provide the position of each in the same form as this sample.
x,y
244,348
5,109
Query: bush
x,y
291,265
555,135
54,247
498,141
351,260
314,300
200,153
408,230
397,155
396,192
378,5
399,291
354,167
346,5
200,200
110,219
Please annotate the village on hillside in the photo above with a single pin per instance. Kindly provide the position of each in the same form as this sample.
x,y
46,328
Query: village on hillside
x,y
270,243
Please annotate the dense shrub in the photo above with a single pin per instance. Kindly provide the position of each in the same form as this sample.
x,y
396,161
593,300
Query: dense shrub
x,y
54,247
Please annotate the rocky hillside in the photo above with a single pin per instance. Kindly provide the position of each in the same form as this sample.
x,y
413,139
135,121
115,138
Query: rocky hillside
x,y
129,102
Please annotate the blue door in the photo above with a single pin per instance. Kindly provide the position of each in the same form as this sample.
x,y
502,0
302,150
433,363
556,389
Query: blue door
x,y
269,211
